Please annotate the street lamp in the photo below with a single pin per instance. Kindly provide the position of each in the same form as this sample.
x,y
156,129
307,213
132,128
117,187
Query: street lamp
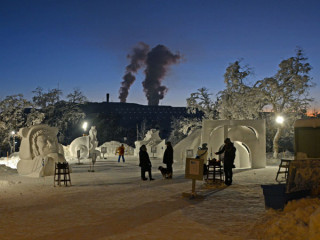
x,y
279,119
84,126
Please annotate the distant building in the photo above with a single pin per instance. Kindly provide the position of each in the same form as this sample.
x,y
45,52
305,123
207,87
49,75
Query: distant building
x,y
131,115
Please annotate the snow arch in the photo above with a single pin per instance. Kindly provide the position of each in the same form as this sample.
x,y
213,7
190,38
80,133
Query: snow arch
x,y
248,136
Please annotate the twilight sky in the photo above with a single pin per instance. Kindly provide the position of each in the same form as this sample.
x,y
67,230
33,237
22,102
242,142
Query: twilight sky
x,y
84,43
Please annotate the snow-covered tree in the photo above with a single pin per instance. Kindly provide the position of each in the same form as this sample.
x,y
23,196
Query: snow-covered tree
x,y
44,99
12,116
200,101
239,100
34,117
287,93
77,96
64,115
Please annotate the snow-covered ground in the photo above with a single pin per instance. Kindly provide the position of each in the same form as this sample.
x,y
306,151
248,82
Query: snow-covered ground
x,y
113,203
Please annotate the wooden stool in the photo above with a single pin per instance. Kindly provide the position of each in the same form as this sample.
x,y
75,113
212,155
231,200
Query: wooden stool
x,y
62,174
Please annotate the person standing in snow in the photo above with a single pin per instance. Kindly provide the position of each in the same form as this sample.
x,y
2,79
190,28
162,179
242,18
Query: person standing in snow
x,y
145,163
120,150
168,159
228,163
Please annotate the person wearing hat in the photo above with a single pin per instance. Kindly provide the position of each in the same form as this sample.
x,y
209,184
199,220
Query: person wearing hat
x,y
168,159
228,163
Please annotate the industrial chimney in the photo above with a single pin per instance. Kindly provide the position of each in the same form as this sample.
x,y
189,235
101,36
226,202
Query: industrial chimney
x,y
107,97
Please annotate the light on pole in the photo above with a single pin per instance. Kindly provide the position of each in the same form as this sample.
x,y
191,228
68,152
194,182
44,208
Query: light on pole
x,y
279,119
84,126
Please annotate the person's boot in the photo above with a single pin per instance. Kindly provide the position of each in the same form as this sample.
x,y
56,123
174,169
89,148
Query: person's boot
x,y
150,177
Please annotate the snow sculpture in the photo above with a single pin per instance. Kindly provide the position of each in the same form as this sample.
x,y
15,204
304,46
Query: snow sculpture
x,y
248,136
155,145
81,144
39,151
93,143
86,144
112,146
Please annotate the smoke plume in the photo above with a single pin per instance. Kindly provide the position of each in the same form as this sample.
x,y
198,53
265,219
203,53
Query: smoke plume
x,y
137,60
158,60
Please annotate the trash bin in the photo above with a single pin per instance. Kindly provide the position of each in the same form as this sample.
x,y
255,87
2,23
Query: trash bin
x,y
275,195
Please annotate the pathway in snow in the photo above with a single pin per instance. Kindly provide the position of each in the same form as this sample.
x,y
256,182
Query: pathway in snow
x,y
113,203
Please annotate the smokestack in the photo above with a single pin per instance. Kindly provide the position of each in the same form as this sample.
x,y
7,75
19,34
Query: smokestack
x,y
158,61
138,57
107,96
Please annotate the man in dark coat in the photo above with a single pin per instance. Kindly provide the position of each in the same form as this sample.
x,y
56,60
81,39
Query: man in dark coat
x,y
145,163
168,159
228,163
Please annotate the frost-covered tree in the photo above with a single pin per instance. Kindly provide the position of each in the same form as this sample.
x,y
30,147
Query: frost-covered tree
x,y
239,100
12,116
34,117
77,96
287,92
200,101
58,113
142,130
44,99
64,115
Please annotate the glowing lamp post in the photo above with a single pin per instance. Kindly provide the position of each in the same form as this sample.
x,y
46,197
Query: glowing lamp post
x,y
84,126
279,119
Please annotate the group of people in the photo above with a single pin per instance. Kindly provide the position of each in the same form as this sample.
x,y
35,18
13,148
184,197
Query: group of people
x,y
145,164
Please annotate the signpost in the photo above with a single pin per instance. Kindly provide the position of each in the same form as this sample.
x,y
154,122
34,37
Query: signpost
x,y
103,151
78,156
153,150
94,158
193,171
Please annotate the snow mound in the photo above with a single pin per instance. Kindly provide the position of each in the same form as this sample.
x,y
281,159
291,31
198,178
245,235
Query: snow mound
x,y
300,220
6,169
10,162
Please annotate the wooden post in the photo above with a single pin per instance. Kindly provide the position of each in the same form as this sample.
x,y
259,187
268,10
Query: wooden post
x,y
193,193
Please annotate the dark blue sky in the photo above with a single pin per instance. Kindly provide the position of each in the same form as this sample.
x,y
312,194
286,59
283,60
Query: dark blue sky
x,y
84,43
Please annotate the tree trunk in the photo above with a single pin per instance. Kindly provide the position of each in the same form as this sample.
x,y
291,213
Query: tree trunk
x,y
275,142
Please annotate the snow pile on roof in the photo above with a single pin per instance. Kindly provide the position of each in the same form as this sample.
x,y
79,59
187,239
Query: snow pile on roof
x,y
300,220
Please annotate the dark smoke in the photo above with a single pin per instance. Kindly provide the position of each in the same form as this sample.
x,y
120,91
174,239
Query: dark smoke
x,y
158,61
138,58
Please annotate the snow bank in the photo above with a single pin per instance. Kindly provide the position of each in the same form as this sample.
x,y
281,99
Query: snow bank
x,y
300,220
10,162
